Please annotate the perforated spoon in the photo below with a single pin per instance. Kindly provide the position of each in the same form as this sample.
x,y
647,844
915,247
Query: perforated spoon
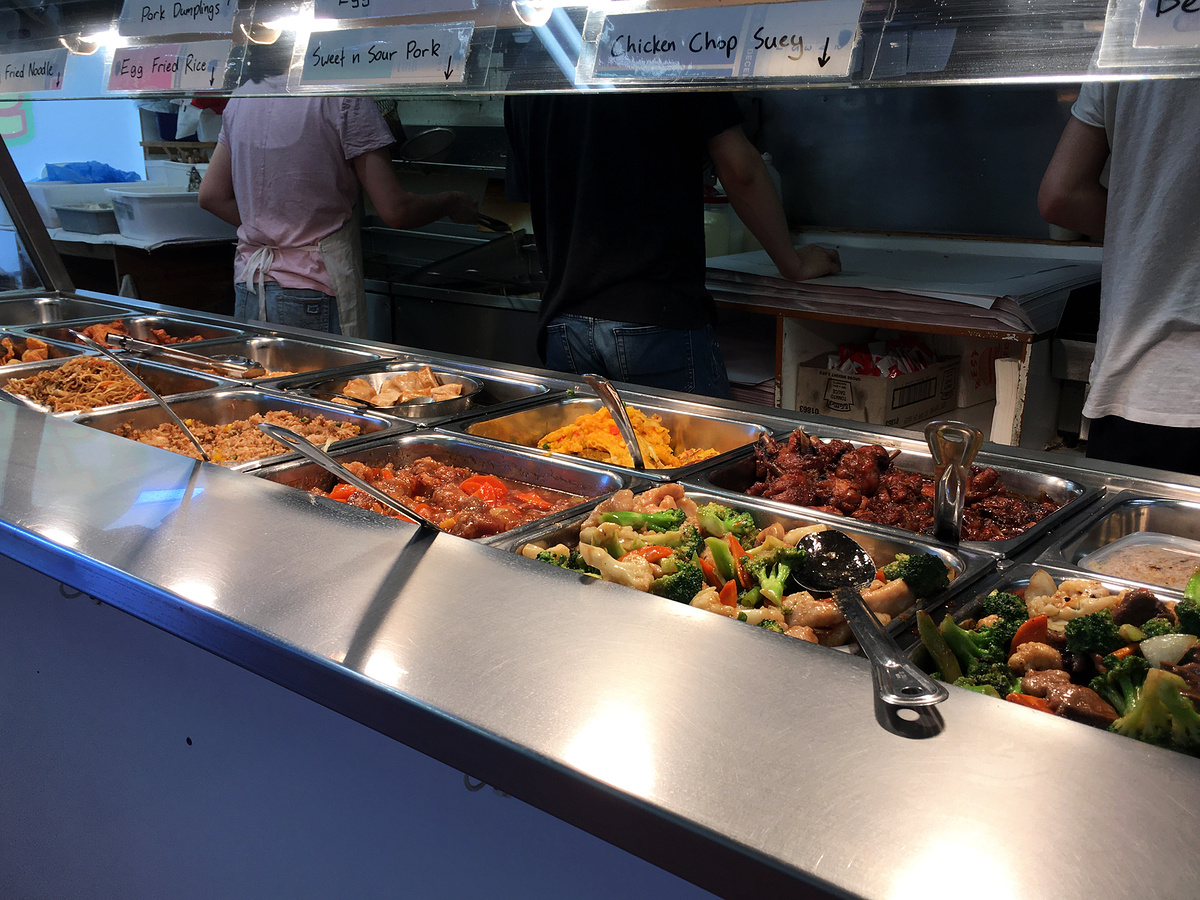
x,y
836,563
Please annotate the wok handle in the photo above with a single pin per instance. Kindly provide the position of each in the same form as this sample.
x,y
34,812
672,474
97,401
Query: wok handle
x,y
898,680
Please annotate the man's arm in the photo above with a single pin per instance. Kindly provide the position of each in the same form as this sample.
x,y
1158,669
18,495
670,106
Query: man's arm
x,y
216,190
403,209
1071,194
752,194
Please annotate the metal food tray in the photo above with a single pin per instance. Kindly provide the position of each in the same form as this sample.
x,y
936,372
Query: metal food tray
x,y
493,389
285,354
575,477
164,380
232,404
691,425
1125,514
968,565
139,327
39,310
733,476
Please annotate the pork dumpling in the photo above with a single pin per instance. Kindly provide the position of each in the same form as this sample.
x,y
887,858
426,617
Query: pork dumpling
x,y
387,397
426,378
446,391
359,389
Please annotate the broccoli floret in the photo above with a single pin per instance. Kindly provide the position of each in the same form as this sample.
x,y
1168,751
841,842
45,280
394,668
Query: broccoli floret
x,y
1121,682
1162,715
682,585
686,542
772,571
663,520
974,650
996,675
1187,611
1007,606
1156,626
924,573
719,520
573,561
1093,633
771,625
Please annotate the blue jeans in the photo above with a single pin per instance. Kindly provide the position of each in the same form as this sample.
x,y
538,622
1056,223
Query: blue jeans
x,y
676,359
300,307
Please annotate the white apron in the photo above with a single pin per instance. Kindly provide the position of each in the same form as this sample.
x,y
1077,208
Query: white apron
x,y
341,253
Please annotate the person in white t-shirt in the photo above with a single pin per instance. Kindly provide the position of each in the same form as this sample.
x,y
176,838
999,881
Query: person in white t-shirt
x,y
1144,395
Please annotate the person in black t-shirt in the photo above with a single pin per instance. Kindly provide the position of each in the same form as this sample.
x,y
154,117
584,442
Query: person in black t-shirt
x,y
615,186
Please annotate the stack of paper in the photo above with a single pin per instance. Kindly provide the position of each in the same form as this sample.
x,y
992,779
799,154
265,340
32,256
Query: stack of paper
x,y
977,285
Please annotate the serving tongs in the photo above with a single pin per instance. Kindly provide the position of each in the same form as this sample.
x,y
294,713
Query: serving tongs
x,y
243,366
837,564
953,445
616,408
116,360
491,223
305,448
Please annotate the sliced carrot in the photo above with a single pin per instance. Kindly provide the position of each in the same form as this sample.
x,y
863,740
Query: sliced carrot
x,y
535,500
728,593
1031,701
486,487
710,572
1127,650
342,491
1031,630
651,553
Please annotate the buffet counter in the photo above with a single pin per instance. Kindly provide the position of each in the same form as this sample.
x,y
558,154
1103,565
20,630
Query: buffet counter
x,y
744,762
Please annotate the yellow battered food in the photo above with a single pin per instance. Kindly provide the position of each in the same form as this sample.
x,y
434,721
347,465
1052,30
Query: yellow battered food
x,y
596,436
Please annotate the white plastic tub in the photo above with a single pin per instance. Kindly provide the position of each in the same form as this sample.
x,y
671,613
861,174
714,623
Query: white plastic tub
x,y
158,212
173,173
48,194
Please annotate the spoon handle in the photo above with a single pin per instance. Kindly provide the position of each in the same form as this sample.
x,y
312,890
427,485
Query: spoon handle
x,y
304,447
616,408
112,357
898,681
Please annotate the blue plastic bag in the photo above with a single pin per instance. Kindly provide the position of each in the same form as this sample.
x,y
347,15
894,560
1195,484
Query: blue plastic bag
x,y
90,172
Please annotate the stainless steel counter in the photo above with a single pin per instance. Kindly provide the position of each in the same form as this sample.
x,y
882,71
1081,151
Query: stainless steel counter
x,y
750,765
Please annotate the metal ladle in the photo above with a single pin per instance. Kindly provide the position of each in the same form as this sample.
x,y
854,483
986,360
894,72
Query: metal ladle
x,y
953,445
247,368
305,448
116,361
616,408
835,563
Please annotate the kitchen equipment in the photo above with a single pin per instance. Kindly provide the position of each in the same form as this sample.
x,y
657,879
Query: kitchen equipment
x,y
289,438
91,218
287,356
116,360
37,310
616,408
242,366
953,445
835,563
493,224
430,145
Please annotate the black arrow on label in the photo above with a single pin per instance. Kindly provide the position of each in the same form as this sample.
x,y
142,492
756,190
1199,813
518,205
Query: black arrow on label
x,y
212,76
824,57
449,63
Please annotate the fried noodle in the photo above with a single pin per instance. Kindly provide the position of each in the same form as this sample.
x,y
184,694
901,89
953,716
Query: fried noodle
x,y
82,383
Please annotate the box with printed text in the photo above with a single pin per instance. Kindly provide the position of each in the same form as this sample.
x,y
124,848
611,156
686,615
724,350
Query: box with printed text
x,y
897,401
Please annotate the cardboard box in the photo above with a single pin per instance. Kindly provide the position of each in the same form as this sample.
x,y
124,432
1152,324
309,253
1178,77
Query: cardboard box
x,y
898,401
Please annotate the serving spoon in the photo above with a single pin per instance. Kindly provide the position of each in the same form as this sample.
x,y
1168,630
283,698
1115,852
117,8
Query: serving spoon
x,y
835,563
616,408
246,367
116,361
305,448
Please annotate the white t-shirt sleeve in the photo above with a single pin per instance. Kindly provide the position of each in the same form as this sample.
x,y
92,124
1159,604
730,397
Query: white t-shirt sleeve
x,y
1089,108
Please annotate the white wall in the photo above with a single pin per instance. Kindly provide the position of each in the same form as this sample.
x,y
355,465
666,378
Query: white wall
x,y
108,131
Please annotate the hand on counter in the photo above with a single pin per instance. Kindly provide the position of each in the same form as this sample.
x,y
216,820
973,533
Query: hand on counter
x,y
461,207
811,261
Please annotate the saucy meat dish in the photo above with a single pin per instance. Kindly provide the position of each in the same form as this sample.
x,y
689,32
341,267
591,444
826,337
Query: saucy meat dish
x,y
861,482
460,500
100,331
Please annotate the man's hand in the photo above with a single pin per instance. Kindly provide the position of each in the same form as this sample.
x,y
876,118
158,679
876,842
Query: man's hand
x,y
462,207
812,261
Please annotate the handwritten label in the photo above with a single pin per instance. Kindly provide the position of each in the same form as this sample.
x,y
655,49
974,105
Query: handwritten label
x,y
25,73
1168,23
416,54
378,9
140,18
196,66
813,38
